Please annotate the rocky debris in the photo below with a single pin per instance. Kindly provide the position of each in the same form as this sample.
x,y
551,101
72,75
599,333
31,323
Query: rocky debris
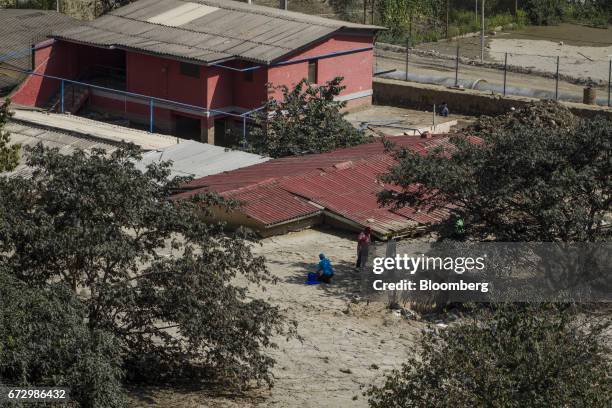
x,y
400,312
547,114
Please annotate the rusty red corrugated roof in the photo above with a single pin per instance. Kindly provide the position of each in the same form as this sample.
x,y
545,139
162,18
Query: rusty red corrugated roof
x,y
344,182
295,165
269,204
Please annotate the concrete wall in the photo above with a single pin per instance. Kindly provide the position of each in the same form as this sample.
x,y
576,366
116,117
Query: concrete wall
x,y
52,58
356,68
467,102
249,94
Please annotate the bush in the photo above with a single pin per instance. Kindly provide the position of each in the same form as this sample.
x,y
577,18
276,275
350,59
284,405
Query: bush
x,y
307,119
546,12
45,341
513,356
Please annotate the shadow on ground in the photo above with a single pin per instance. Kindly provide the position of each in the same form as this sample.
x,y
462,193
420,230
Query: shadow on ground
x,y
346,282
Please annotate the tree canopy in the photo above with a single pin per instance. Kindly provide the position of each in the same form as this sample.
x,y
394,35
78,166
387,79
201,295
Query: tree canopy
x,y
45,342
9,154
511,356
305,120
518,183
519,180
148,272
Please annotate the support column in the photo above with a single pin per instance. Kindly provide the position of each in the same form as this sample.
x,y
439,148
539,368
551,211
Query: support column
x,y
208,130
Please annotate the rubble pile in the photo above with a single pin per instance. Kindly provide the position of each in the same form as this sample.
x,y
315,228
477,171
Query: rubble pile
x,y
546,114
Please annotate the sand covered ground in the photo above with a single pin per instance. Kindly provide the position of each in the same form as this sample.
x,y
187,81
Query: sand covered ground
x,y
578,61
347,344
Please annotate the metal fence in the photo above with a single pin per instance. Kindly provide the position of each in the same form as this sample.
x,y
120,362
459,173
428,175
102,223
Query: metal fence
x,y
568,78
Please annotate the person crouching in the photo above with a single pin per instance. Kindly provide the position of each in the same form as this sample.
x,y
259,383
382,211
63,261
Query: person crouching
x,y
325,271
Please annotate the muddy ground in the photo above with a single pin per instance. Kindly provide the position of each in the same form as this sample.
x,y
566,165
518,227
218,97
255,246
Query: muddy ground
x,y
346,345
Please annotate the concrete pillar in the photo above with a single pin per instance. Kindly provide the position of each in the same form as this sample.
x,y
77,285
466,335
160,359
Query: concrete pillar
x,y
208,130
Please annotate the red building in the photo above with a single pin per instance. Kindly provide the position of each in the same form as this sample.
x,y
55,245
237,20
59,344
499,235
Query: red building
x,y
217,55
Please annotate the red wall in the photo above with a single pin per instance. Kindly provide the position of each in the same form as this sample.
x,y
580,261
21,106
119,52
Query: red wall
x,y
219,84
160,77
215,88
356,68
65,60
250,94
56,59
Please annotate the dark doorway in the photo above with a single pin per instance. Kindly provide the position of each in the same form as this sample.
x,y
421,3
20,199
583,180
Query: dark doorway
x,y
224,135
187,128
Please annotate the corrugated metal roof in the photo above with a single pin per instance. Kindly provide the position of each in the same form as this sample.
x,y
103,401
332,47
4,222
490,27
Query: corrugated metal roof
x,y
31,136
344,182
20,29
270,204
351,192
296,165
191,158
207,30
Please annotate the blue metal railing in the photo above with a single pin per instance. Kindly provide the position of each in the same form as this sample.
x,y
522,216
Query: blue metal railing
x,y
297,61
151,99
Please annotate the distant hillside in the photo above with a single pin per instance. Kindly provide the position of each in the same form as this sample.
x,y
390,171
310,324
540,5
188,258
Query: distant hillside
x,y
338,9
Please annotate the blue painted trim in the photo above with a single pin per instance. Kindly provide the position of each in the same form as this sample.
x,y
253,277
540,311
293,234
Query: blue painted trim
x,y
296,61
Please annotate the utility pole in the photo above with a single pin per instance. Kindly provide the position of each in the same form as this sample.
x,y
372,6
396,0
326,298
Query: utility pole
x,y
57,5
282,4
482,32
515,8
365,10
373,12
447,12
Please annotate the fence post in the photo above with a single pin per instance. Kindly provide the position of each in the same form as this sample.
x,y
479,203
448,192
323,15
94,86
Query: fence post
x,y
244,132
505,72
373,11
457,67
407,56
434,119
365,11
609,82
62,95
151,119
557,81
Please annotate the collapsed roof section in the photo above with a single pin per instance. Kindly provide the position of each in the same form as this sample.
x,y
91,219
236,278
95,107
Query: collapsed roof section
x,y
208,31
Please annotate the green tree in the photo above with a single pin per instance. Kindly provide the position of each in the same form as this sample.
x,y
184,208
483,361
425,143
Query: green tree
x,y
536,175
149,271
513,356
45,341
519,183
545,12
306,120
9,154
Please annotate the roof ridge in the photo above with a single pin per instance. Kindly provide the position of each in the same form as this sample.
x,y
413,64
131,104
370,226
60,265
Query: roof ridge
x,y
281,14
191,31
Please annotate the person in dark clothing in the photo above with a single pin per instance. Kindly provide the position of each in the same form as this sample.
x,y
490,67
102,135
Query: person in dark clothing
x,y
325,271
363,246
444,109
